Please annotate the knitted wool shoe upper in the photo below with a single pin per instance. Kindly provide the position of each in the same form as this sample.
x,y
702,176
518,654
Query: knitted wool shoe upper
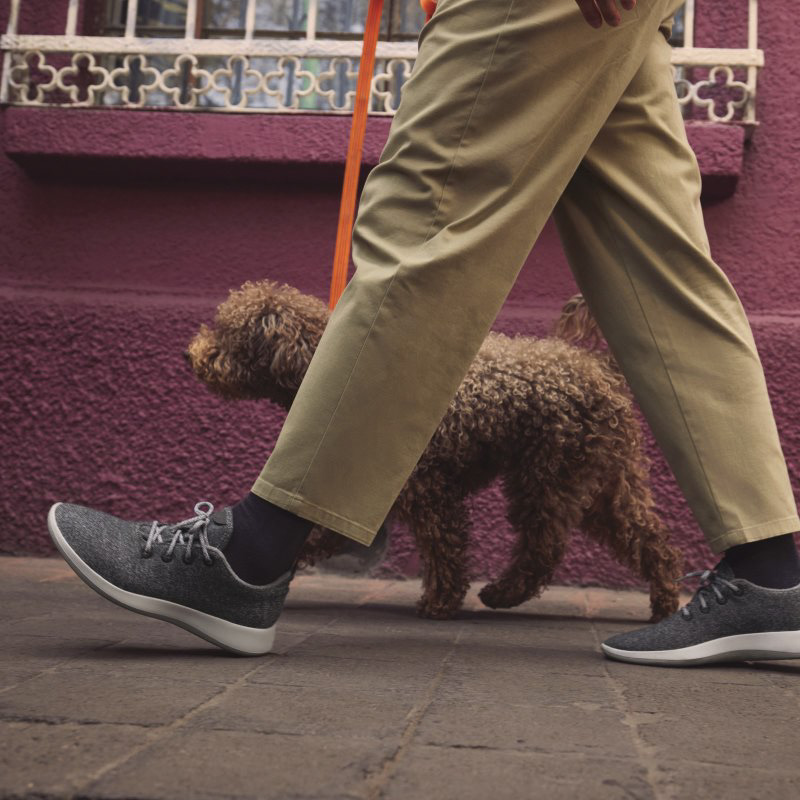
x,y
723,606
181,564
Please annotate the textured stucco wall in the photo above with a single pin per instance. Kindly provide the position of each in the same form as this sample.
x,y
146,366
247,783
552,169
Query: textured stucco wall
x,y
107,269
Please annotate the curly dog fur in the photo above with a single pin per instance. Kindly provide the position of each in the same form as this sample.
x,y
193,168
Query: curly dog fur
x,y
553,421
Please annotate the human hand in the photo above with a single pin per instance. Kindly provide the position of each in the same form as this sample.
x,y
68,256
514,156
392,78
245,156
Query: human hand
x,y
595,11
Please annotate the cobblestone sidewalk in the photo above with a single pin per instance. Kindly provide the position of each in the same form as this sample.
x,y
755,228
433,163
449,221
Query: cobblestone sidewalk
x,y
362,699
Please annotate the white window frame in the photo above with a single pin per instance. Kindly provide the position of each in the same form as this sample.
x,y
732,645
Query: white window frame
x,y
394,61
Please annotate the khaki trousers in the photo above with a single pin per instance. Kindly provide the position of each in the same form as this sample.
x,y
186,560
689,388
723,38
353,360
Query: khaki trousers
x,y
516,109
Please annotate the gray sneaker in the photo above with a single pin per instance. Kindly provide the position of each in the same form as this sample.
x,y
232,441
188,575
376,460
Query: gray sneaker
x,y
728,619
175,572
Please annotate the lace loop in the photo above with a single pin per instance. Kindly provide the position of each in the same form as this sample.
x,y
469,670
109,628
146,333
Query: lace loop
x,y
184,533
711,582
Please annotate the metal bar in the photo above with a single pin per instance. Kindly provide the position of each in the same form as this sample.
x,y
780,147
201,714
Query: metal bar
x,y
250,20
130,20
752,24
72,18
199,18
13,21
752,72
688,23
311,23
13,17
191,16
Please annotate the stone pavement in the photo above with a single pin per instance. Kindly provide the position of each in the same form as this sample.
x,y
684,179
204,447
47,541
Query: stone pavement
x,y
361,699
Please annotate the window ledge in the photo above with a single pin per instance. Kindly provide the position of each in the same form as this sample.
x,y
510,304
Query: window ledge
x,y
103,144
720,153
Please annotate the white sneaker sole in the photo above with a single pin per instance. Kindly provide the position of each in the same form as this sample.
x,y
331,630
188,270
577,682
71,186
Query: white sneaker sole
x,y
238,639
772,645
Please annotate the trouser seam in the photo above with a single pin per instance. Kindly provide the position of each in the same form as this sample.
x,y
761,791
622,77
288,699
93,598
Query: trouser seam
x,y
628,275
427,236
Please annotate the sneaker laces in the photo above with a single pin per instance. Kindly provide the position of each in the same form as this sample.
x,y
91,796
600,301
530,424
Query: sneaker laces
x,y
710,582
184,533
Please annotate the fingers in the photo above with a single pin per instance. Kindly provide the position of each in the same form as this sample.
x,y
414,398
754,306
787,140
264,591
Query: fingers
x,y
590,12
609,10
595,11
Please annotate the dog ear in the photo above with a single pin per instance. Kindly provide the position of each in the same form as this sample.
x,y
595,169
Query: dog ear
x,y
291,345
576,324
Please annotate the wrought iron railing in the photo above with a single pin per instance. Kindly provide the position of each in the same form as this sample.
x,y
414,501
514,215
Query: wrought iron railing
x,y
271,72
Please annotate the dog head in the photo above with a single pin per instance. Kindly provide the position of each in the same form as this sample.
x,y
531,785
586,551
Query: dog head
x,y
260,343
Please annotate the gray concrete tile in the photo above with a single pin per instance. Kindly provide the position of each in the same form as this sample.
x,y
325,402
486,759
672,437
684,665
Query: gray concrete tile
x,y
368,647
23,657
107,694
698,696
678,779
201,764
556,658
38,759
311,711
527,631
94,617
474,774
345,673
770,743
579,728
463,683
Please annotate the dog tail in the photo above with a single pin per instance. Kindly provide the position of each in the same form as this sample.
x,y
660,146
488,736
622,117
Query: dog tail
x,y
577,326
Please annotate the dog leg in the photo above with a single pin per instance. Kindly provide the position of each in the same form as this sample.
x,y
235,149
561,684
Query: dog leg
x,y
442,533
623,519
543,517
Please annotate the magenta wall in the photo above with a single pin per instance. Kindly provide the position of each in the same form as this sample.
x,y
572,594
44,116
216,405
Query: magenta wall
x,y
120,232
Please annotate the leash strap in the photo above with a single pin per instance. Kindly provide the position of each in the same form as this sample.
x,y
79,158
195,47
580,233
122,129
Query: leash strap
x,y
341,257
428,6
344,230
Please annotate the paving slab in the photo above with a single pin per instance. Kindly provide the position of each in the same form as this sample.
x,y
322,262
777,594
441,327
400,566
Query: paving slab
x,y
362,699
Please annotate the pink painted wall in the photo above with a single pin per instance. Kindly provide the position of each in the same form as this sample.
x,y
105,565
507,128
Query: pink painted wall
x,y
110,258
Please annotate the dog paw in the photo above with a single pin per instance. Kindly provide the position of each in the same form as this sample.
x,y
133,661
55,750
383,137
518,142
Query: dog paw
x,y
663,604
497,596
433,610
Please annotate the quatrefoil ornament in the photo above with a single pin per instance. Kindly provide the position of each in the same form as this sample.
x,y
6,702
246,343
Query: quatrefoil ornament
x,y
222,80
21,78
389,77
121,79
192,85
73,90
282,75
721,94
330,75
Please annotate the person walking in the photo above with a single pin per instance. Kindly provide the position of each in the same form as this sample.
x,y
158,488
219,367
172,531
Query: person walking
x,y
514,110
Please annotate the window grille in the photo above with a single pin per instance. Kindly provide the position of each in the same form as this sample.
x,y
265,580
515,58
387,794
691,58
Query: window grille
x,y
288,56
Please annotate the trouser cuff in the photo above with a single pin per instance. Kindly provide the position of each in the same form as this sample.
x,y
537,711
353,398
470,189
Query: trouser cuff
x,y
296,504
753,533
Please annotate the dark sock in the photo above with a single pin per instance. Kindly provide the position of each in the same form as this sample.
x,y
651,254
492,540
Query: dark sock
x,y
266,540
769,562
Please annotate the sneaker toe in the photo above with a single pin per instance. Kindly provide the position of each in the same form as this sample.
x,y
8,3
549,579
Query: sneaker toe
x,y
668,634
631,640
97,538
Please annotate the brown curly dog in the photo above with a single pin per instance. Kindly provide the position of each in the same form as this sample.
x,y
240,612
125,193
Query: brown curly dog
x,y
552,420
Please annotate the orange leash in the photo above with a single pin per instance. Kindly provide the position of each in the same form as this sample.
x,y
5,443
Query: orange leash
x,y
341,257
428,6
344,231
